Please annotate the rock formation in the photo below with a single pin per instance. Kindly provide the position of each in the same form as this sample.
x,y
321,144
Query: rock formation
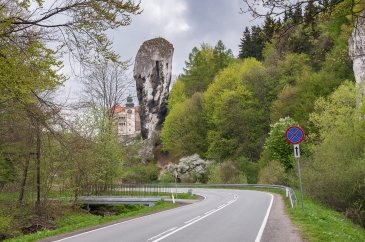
x,y
152,72
357,50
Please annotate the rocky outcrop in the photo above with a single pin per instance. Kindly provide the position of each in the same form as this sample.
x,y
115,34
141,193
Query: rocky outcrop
x,y
152,72
357,50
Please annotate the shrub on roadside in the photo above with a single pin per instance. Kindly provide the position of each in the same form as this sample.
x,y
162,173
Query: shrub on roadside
x,y
335,174
273,173
276,147
190,169
226,173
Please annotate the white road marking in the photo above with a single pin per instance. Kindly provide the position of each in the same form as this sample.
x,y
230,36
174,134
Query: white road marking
x,y
261,231
154,237
187,225
130,220
192,220
223,205
210,211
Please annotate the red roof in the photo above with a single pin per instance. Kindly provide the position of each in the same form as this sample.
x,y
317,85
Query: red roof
x,y
118,109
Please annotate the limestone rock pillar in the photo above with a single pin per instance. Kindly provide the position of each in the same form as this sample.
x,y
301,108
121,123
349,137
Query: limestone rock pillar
x,y
152,72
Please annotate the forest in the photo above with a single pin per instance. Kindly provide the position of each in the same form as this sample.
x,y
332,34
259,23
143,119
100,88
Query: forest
x,y
293,70
226,119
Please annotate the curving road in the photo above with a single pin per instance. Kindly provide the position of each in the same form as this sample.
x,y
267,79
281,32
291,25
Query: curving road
x,y
223,216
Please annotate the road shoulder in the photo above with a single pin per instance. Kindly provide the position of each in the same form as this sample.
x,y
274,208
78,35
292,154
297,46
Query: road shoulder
x,y
279,227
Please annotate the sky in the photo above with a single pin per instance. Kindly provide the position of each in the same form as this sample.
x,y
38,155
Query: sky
x,y
185,24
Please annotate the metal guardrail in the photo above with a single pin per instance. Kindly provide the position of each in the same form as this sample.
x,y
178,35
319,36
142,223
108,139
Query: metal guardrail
x,y
289,192
112,200
156,190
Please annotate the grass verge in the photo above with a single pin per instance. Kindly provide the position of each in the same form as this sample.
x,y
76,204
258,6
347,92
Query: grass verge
x,y
322,224
319,223
74,221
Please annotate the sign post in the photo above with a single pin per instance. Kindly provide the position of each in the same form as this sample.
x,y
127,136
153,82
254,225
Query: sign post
x,y
295,135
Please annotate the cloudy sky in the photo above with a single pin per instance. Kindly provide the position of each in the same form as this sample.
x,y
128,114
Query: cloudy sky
x,y
185,24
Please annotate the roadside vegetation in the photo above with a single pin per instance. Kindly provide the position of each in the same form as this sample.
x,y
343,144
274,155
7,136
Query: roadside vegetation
x,y
226,116
67,219
293,70
319,223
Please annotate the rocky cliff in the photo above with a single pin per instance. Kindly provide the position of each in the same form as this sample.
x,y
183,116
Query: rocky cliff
x,y
357,50
152,72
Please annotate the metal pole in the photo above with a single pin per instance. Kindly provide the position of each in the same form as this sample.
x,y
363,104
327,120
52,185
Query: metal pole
x,y
300,182
175,171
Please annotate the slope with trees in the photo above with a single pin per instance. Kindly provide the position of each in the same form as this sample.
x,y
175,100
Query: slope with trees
x,y
303,75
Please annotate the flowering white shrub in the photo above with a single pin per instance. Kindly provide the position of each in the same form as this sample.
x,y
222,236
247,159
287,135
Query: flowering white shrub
x,y
192,166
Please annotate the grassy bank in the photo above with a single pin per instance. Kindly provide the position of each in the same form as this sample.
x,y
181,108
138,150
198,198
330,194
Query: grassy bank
x,y
322,224
74,220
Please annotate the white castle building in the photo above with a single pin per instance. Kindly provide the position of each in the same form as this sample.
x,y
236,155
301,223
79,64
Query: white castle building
x,y
127,120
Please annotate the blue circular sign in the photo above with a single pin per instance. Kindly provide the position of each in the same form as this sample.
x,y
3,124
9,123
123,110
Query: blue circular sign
x,y
294,135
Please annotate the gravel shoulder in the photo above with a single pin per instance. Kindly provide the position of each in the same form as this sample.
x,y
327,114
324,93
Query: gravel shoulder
x,y
279,227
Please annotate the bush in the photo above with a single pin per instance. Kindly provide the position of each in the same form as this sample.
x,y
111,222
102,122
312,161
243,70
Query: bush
x,y
141,173
336,173
273,173
5,225
276,147
166,177
190,169
226,173
251,169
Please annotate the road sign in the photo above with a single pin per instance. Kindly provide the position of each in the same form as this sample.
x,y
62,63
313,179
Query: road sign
x,y
294,135
296,151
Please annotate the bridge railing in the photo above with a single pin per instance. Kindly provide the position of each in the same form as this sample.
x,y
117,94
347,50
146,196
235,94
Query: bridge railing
x,y
128,190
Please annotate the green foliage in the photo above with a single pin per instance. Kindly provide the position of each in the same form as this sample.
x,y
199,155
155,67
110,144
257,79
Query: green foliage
x,y
76,219
177,94
321,224
23,71
253,41
184,129
83,37
276,146
5,224
7,171
232,112
301,86
273,173
249,168
203,65
141,173
226,173
310,61
336,173
233,109
167,177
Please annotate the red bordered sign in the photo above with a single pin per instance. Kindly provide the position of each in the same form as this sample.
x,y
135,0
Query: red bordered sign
x,y
294,135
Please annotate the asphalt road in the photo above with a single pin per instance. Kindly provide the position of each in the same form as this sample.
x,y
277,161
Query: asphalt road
x,y
223,216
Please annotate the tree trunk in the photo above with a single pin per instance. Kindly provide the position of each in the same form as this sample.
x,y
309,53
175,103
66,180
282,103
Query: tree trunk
x,y
38,166
24,180
26,167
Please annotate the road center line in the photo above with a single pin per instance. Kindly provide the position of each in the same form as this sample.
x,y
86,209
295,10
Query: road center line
x,y
210,211
192,220
191,223
154,237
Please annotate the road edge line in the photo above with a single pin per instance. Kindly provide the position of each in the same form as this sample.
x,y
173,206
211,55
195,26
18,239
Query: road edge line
x,y
263,225
118,223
